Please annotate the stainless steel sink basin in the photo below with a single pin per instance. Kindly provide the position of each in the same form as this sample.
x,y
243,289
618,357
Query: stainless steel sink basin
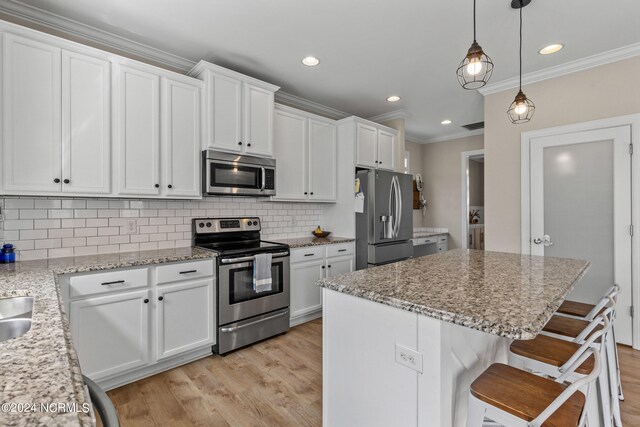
x,y
13,328
16,307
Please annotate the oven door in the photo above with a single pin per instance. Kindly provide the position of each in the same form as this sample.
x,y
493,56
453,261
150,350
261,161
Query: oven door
x,y
236,298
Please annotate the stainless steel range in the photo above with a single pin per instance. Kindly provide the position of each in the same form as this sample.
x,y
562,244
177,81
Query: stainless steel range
x,y
244,314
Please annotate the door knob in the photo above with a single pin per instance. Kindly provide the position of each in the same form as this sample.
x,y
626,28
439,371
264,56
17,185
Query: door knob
x,y
545,240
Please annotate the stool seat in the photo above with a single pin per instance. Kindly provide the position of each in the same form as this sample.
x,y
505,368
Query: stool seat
x,y
526,395
578,309
568,327
552,351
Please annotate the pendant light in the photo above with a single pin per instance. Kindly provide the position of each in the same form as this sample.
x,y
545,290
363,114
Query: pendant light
x,y
475,69
522,108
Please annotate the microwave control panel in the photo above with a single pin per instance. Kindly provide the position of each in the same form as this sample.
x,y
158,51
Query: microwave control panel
x,y
269,179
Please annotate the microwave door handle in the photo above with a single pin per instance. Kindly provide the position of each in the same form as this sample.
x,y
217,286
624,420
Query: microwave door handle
x,y
263,184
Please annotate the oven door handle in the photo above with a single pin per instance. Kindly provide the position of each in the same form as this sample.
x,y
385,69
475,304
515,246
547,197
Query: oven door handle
x,y
235,328
250,258
263,184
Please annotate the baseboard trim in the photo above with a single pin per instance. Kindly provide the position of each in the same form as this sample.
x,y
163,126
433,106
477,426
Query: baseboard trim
x,y
299,320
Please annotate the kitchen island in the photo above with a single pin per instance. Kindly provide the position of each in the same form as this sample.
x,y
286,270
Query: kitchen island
x,y
402,342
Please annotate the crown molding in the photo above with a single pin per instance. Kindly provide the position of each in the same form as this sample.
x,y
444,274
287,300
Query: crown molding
x,y
455,136
69,26
582,64
391,115
413,138
309,106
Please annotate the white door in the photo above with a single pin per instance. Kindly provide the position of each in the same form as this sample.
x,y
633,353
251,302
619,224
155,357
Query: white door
x,y
225,113
181,139
306,297
184,317
258,120
581,208
290,153
386,150
338,266
322,161
31,115
111,333
139,131
86,124
366,141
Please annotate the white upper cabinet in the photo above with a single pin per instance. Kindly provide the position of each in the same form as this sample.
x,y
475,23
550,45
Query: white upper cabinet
x,y
305,152
386,149
239,111
138,131
86,124
290,151
181,138
375,144
322,160
31,116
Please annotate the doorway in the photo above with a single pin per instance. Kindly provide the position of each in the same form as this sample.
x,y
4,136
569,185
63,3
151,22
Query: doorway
x,y
472,218
577,203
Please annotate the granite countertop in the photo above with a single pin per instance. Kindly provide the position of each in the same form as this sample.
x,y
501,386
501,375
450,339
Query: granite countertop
x,y
301,242
509,295
42,366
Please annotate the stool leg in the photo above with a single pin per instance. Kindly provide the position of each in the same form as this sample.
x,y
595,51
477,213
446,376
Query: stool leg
x,y
613,380
617,363
604,395
593,405
475,412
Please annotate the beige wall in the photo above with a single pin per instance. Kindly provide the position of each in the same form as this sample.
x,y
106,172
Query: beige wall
x,y
606,91
441,170
476,183
415,167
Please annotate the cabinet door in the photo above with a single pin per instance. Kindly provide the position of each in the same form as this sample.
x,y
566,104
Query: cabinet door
x,y
31,115
86,124
322,161
290,152
139,131
225,113
366,145
339,265
306,297
386,150
258,120
184,317
111,333
181,139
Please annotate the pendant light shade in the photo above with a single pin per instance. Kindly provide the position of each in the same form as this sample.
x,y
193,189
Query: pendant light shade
x,y
522,108
476,68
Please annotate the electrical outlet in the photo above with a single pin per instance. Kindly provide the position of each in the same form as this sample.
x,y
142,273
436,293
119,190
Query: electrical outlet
x,y
409,358
132,226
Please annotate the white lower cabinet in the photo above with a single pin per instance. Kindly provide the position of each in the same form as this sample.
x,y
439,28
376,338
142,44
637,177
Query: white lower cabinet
x,y
310,264
127,324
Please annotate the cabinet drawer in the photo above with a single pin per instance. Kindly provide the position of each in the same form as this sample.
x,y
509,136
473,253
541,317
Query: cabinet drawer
x,y
424,241
442,247
443,239
339,250
99,283
310,253
184,271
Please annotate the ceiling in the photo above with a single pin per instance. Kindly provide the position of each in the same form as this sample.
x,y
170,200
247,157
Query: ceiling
x,y
368,49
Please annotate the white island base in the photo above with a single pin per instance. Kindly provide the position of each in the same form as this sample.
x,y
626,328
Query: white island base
x,y
365,385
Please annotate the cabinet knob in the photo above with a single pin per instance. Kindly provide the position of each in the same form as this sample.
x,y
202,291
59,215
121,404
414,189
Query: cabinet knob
x,y
66,181
380,162
160,298
157,185
170,186
57,180
312,193
146,301
323,267
249,145
329,266
239,142
305,193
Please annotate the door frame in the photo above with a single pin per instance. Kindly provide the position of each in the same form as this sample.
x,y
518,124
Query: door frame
x,y
632,120
464,179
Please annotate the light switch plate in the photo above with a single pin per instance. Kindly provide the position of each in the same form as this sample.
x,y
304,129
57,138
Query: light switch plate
x,y
409,358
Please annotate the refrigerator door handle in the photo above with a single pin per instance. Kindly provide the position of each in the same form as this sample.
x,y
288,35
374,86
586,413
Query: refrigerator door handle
x,y
398,219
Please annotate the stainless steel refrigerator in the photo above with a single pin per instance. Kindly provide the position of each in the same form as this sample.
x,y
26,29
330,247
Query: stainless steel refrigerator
x,y
385,227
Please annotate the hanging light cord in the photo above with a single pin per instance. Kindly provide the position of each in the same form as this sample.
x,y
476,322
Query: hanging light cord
x,y
521,7
474,21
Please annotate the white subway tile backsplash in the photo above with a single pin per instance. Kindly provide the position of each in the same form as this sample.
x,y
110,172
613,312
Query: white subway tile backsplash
x,y
51,228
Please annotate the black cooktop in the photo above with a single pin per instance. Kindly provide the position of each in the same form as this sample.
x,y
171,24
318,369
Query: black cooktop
x,y
244,247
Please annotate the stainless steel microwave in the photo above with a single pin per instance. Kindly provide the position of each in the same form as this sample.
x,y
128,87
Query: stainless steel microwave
x,y
237,175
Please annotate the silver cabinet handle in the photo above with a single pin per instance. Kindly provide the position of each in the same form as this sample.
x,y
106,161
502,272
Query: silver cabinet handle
x,y
115,282
235,328
188,271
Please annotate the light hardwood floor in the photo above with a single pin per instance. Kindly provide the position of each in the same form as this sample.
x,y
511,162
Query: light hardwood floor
x,y
277,382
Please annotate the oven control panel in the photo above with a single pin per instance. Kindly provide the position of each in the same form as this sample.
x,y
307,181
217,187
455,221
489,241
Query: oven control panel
x,y
225,225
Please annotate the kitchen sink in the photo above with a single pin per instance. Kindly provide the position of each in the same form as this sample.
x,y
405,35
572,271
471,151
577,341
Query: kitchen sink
x,y
13,328
16,307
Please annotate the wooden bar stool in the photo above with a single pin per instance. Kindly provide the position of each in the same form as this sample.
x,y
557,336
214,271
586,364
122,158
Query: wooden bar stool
x,y
516,398
552,357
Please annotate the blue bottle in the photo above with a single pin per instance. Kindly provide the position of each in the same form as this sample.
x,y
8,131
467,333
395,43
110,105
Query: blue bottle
x,y
8,255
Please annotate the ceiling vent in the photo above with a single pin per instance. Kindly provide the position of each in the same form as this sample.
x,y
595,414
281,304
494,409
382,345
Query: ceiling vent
x,y
474,126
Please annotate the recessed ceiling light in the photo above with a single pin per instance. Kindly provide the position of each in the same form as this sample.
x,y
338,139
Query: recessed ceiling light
x,y
393,98
310,61
446,122
552,48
